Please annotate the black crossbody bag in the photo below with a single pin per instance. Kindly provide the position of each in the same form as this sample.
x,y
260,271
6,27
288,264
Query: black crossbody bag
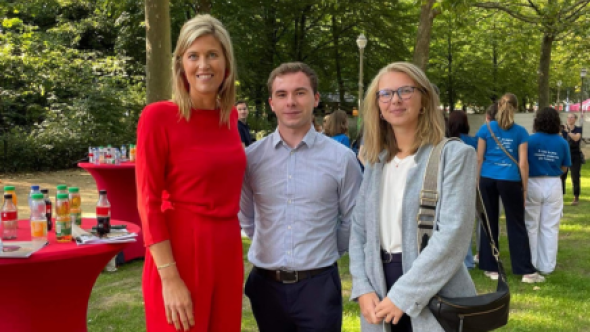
x,y
479,313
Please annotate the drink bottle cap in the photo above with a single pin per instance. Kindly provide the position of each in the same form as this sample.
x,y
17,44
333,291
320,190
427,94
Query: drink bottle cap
x,y
62,196
8,196
108,146
62,187
102,192
73,189
100,147
37,196
45,191
34,187
6,188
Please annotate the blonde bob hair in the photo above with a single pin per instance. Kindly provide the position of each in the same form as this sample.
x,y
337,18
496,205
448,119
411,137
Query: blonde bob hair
x,y
379,134
199,26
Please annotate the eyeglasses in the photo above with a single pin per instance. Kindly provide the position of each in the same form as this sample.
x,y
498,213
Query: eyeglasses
x,y
404,92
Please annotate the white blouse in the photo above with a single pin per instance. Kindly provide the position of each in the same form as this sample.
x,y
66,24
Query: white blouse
x,y
392,193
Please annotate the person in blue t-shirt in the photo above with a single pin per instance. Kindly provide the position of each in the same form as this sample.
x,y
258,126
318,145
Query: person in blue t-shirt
x,y
458,126
549,157
505,176
337,127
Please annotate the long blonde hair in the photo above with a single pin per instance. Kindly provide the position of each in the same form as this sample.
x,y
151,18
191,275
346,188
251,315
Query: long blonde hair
x,y
198,26
506,108
379,135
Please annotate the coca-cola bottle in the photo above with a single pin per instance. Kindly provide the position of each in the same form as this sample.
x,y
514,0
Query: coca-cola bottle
x,y
103,214
48,208
9,218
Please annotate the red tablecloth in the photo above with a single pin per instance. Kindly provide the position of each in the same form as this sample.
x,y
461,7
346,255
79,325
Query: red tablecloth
x,y
49,291
119,182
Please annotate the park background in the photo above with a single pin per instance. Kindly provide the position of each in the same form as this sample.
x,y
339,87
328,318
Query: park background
x,y
74,74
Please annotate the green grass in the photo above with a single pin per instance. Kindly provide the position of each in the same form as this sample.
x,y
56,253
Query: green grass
x,y
560,304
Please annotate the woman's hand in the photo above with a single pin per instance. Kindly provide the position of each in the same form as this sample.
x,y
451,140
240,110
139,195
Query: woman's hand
x,y
368,302
177,302
388,311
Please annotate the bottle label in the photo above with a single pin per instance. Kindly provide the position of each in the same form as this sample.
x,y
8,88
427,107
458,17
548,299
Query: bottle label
x,y
9,215
76,218
63,228
103,210
48,209
39,228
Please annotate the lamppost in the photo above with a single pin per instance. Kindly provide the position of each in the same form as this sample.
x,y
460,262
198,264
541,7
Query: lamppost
x,y
582,75
558,88
361,42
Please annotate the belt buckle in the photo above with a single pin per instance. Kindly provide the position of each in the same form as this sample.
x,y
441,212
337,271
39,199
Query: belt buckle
x,y
283,276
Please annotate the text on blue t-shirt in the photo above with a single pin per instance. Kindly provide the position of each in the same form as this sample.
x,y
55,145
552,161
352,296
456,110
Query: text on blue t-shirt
x,y
547,153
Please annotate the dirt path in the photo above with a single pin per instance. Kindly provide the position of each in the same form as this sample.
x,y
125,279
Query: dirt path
x,y
72,178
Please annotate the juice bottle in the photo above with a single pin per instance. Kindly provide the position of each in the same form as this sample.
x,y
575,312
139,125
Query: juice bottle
x,y
60,189
63,225
48,208
101,154
9,216
11,190
132,153
38,220
90,155
103,214
75,206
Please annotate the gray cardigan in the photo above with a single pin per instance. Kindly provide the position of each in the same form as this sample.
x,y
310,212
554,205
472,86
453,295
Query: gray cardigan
x,y
439,268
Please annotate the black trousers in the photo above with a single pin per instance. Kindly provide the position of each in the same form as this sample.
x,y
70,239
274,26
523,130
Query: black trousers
x,y
518,239
310,305
394,271
575,174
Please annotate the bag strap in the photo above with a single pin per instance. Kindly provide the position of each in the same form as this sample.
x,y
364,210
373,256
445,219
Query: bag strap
x,y
429,198
501,146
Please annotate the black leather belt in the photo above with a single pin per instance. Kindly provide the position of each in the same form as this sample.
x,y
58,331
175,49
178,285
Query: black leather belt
x,y
388,257
291,277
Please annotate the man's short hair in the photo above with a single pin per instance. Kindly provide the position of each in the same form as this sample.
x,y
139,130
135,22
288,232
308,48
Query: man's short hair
x,y
291,68
241,101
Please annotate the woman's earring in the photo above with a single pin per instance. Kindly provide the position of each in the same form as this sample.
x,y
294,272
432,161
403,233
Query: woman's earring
x,y
423,110
381,116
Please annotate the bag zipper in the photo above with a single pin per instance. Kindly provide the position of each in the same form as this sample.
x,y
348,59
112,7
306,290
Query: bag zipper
x,y
462,317
460,306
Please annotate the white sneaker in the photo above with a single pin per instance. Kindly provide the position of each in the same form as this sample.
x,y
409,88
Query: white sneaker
x,y
476,259
532,278
491,275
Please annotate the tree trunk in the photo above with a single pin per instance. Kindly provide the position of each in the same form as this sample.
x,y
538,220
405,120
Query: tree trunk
x,y
544,65
450,89
422,48
158,51
336,40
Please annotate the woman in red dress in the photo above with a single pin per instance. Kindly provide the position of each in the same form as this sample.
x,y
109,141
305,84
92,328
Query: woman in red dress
x,y
190,148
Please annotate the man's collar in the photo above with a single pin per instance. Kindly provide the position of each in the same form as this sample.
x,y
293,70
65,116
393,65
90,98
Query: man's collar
x,y
309,138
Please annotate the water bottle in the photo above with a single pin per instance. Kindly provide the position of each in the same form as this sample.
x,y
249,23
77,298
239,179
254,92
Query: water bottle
x,y
38,220
117,157
90,154
34,190
123,152
109,155
96,156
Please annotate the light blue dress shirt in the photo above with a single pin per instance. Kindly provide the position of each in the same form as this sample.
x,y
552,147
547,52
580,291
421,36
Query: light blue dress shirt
x,y
297,203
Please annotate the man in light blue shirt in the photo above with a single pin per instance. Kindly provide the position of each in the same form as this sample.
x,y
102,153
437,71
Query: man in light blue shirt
x,y
298,195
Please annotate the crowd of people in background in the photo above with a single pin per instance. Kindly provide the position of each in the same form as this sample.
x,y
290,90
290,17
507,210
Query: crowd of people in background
x,y
299,194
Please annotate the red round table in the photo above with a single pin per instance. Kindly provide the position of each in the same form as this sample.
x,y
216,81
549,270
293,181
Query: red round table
x,y
49,291
119,182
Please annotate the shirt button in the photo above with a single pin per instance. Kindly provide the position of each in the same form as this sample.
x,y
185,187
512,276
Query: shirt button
x,y
288,253
289,201
289,227
289,176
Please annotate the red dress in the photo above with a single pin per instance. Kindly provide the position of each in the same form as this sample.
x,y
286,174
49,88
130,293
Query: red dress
x,y
200,164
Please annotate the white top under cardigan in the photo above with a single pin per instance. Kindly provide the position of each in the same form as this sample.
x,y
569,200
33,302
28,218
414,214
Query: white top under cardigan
x,y
392,193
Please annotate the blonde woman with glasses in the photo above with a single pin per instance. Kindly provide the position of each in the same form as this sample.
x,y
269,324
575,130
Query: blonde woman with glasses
x,y
190,149
391,281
